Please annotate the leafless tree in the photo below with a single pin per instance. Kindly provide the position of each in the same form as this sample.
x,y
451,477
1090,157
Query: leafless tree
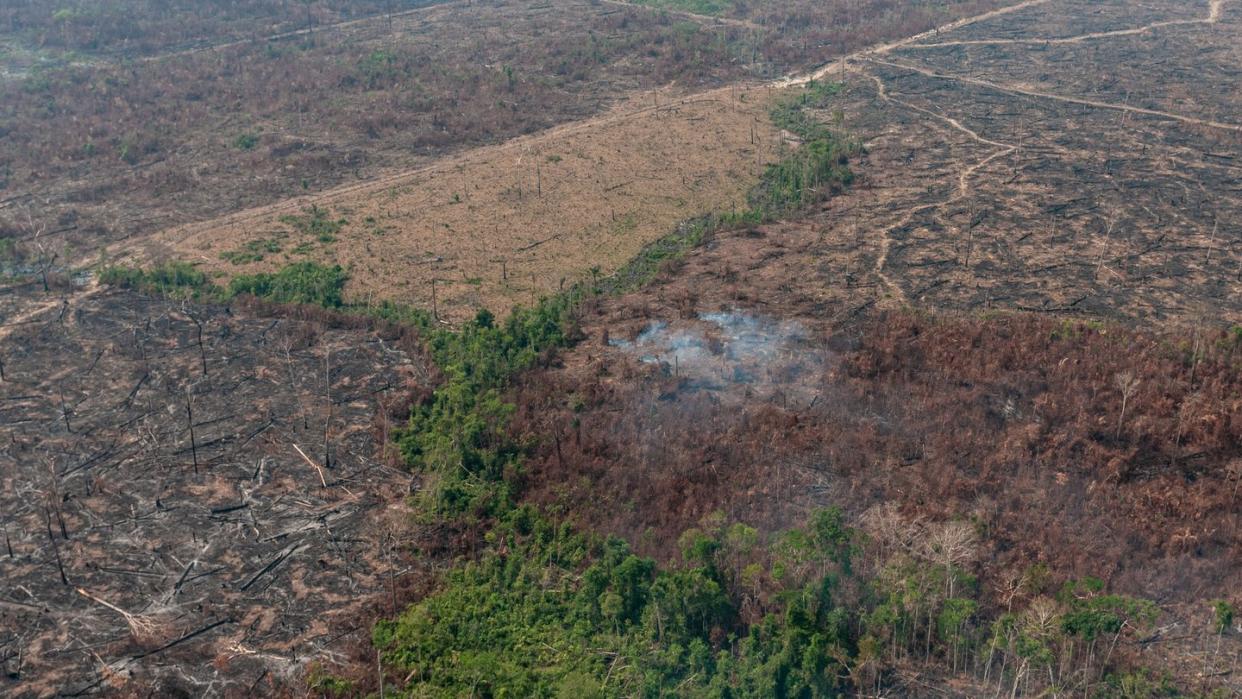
x,y
1125,382
45,257
951,544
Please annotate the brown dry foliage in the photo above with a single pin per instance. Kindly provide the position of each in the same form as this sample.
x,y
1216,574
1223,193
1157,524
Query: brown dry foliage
x,y
1009,420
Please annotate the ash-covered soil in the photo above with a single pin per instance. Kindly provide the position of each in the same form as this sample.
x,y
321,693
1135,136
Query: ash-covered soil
x,y
193,499
1072,157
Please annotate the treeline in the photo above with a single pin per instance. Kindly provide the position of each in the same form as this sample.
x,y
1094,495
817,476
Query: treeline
x,y
817,167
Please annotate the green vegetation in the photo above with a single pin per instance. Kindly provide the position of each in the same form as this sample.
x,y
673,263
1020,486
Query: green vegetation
x,y
317,680
1224,616
458,438
817,168
315,222
378,69
252,251
246,141
302,282
549,612
170,278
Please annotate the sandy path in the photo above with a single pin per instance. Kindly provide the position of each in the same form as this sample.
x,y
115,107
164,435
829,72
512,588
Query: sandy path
x,y
829,68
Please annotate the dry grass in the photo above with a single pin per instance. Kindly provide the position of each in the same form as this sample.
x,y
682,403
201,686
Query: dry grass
x,y
502,225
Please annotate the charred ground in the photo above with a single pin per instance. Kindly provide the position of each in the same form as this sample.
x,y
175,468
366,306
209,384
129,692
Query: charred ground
x,y
162,528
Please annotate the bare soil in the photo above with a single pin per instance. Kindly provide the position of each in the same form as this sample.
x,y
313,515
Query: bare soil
x,y
1073,178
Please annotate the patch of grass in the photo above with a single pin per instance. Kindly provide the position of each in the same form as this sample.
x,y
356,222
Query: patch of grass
x,y
246,141
240,257
252,251
315,222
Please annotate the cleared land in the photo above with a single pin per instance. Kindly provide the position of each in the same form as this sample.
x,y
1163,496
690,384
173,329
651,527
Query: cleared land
x,y
110,152
1116,196
504,225
1070,158
161,527
105,153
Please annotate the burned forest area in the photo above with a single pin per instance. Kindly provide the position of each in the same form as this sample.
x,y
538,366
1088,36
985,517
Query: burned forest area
x,y
621,348
183,476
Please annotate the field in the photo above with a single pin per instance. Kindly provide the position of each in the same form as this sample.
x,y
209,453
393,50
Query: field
x,y
504,225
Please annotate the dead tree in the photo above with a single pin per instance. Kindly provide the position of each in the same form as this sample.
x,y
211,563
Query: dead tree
x,y
45,259
1127,384
198,325
189,418
327,421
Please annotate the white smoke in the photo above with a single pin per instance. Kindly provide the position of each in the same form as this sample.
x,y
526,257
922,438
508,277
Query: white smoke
x,y
731,351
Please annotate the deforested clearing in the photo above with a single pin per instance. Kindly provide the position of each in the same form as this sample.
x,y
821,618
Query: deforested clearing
x,y
504,225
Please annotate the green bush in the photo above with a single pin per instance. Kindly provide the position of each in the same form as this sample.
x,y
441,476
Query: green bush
x,y
301,282
315,222
1224,616
246,141
165,278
